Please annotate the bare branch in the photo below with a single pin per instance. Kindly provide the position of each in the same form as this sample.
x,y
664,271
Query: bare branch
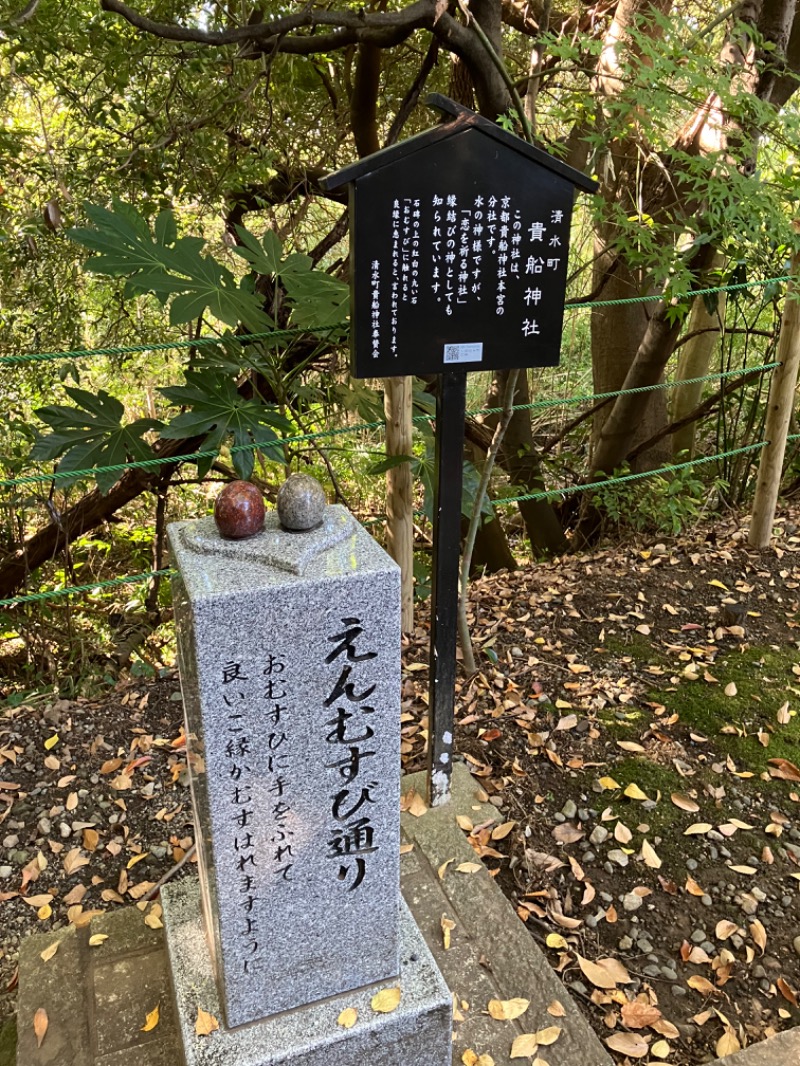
x,y
350,26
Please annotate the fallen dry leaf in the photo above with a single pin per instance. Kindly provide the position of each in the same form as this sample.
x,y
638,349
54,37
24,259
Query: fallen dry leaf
x,y
205,1023
40,1023
725,929
506,1010
448,925
783,769
152,1019
604,973
639,1015
631,1044
97,939
697,828
387,1000
48,953
545,1037
566,833
728,1044
759,934
556,1009
649,855
469,867
348,1018
524,1046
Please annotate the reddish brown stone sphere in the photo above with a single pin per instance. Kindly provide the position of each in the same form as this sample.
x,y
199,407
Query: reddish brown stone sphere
x,y
239,511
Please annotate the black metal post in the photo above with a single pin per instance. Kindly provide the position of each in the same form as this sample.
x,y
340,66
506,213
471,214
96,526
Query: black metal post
x,y
451,407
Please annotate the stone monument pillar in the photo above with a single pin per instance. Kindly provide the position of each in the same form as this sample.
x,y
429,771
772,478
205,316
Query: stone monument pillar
x,y
289,645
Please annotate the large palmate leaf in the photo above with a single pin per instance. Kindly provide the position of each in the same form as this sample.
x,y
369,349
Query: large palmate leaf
x,y
218,412
91,435
317,299
173,269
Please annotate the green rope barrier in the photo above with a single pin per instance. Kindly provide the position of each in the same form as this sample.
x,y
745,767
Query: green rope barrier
x,y
360,427
679,296
542,404
211,453
37,597
133,349
553,494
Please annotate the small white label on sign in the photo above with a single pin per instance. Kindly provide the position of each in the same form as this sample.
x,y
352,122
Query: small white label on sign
x,y
463,353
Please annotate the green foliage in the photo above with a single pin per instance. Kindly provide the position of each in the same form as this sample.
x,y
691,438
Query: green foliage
x,y
92,434
217,411
658,504
177,270
172,269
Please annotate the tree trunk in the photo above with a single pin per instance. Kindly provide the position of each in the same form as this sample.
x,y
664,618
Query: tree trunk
x,y
518,458
779,412
617,333
694,361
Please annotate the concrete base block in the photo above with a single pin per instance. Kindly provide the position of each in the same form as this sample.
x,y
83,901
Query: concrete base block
x,y
418,1032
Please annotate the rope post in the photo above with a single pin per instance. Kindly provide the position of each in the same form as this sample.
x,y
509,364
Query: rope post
x,y
779,412
400,490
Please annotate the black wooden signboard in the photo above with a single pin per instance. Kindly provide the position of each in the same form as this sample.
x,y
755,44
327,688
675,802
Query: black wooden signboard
x,y
458,241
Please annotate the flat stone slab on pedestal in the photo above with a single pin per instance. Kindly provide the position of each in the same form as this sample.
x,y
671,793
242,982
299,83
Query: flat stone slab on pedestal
x,y
417,1033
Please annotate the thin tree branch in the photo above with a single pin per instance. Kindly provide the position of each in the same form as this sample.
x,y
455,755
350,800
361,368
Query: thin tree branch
x,y
361,23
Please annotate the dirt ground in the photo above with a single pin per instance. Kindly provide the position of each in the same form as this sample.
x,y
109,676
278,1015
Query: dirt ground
x,y
634,722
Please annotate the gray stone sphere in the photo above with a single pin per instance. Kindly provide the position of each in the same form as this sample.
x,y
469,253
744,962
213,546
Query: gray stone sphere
x,y
301,503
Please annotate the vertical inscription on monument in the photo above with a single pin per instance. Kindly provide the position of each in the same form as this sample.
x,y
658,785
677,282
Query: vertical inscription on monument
x,y
352,837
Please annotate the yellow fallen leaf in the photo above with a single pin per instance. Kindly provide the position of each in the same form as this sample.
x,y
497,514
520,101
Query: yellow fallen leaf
x,y
48,953
506,1010
728,1044
557,941
44,912
385,1001
634,792
697,828
205,1023
348,1018
40,1023
137,858
660,1049
471,1058
152,1019
49,744
524,1046
501,831
97,939
548,1036
609,784
469,867
718,585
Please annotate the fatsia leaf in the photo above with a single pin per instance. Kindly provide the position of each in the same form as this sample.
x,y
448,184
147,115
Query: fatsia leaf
x,y
91,434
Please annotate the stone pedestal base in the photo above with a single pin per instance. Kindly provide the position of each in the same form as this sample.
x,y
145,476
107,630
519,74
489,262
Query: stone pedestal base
x,y
417,1033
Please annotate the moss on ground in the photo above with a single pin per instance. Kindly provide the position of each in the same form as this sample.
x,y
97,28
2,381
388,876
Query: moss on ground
x,y
8,1042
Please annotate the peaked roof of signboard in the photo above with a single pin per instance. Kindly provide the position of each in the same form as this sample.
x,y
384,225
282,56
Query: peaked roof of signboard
x,y
463,119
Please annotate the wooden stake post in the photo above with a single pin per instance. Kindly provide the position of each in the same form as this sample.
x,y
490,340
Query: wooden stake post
x,y
779,413
459,242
